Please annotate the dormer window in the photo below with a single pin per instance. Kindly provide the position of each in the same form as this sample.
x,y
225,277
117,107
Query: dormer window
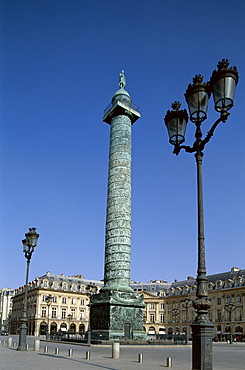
x,y
45,283
219,284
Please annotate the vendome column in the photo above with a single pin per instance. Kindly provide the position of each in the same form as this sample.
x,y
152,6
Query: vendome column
x,y
116,312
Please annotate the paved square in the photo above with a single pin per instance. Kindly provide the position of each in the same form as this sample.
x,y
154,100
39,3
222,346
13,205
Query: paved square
x,y
225,357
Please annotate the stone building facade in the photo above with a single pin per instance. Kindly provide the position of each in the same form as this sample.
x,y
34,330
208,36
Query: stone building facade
x,y
5,307
67,311
168,305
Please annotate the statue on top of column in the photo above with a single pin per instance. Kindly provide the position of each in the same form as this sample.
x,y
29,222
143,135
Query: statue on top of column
x,y
122,80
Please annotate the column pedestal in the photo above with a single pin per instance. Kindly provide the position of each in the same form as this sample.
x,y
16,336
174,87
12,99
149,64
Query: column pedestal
x,y
202,336
117,316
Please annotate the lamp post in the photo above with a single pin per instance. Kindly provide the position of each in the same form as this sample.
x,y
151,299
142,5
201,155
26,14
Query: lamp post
x,y
29,243
230,307
222,85
186,303
175,312
69,317
91,289
48,300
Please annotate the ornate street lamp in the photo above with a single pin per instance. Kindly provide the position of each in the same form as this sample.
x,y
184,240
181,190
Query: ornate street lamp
x,y
91,289
48,301
175,313
69,317
222,86
186,303
29,243
230,307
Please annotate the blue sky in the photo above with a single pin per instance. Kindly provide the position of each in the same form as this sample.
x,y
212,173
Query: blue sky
x,y
60,62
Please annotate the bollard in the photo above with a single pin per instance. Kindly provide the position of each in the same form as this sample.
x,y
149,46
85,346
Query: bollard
x,y
36,345
115,350
15,345
87,355
56,351
45,350
27,347
10,342
169,361
70,352
140,359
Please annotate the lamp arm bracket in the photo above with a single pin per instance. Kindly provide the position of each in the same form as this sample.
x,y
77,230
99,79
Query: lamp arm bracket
x,y
188,149
199,144
223,118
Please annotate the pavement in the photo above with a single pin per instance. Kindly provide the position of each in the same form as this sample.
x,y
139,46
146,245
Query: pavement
x,y
225,357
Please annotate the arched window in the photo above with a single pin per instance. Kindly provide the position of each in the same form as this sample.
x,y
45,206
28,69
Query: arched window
x,y
73,328
170,331
63,327
162,330
177,330
152,330
43,328
81,328
53,327
239,329
227,329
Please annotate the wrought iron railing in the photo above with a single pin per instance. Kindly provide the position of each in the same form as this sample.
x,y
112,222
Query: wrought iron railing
x,y
132,105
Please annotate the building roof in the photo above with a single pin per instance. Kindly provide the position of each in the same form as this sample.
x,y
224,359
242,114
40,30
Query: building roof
x,y
154,287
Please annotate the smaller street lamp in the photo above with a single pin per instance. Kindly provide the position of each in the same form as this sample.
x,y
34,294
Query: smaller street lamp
x,y
175,313
69,317
91,289
186,303
230,307
29,243
48,301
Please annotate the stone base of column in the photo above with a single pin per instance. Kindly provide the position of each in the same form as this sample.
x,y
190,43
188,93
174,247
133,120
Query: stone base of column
x,y
116,315
202,337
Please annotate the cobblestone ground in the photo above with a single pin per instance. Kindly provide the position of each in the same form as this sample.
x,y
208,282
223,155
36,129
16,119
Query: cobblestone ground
x,y
225,357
